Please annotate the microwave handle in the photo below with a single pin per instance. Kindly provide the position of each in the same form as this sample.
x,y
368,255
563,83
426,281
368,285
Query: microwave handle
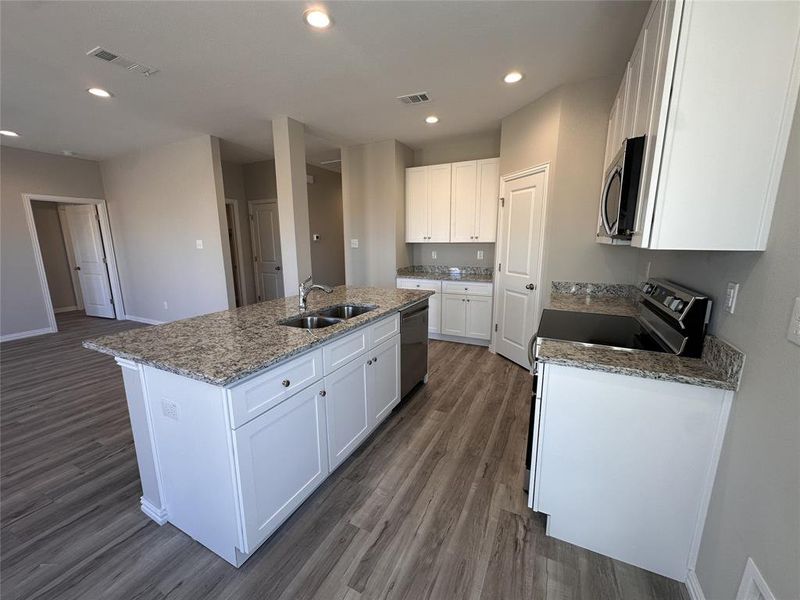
x,y
604,200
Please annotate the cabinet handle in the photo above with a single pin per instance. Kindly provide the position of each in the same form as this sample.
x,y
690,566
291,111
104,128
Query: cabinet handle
x,y
467,299
369,362
323,393
374,359
286,383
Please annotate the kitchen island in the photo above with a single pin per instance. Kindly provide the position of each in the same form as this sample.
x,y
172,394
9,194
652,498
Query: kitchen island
x,y
239,415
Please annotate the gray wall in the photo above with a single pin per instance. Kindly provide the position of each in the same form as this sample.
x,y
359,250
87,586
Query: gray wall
x,y
465,147
453,255
259,180
755,506
54,254
326,219
567,128
161,200
373,193
22,304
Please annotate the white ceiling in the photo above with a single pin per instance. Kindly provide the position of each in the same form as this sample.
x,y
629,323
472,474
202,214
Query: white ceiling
x,y
228,68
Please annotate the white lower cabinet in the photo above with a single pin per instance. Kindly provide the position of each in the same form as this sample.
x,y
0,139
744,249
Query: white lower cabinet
x,y
347,410
383,380
467,316
434,302
282,457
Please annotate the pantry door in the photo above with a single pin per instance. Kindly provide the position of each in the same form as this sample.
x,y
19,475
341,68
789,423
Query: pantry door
x,y
520,235
266,241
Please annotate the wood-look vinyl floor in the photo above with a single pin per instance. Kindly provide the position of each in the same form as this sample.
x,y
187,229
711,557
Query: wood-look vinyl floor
x,y
430,507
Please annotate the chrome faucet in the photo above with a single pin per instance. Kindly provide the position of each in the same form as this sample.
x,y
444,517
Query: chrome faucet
x,y
305,289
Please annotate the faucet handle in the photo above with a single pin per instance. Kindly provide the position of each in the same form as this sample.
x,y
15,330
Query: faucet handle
x,y
308,280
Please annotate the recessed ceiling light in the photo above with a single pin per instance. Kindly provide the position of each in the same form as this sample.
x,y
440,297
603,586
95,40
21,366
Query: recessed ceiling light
x,y
317,18
513,77
8,133
100,92
432,120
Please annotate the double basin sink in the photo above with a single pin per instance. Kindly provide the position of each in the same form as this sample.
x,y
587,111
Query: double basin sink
x,y
328,316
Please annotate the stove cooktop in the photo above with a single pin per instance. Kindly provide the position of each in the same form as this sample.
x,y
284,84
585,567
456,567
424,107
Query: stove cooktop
x,y
593,328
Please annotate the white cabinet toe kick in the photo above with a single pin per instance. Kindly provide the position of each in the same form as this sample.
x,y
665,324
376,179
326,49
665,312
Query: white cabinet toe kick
x,y
228,465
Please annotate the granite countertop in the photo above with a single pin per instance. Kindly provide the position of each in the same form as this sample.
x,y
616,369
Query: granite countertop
x,y
605,305
637,363
223,347
476,274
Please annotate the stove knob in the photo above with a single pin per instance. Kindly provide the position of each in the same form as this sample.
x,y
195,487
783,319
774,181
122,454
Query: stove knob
x,y
668,300
679,306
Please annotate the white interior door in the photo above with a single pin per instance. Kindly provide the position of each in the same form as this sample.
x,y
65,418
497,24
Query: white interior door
x,y
266,239
521,231
90,260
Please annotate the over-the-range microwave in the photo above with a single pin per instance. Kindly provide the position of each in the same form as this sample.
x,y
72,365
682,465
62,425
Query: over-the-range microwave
x,y
620,191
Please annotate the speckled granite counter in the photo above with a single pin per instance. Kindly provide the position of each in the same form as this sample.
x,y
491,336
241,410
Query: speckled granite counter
x,y
638,363
477,274
224,347
606,305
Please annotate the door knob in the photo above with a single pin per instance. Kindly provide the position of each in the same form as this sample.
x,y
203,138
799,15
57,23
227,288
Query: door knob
x,y
77,268
278,268
530,286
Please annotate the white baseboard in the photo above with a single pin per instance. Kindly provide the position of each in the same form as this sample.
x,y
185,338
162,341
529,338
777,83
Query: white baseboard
x,y
158,515
693,585
65,309
25,334
458,339
143,320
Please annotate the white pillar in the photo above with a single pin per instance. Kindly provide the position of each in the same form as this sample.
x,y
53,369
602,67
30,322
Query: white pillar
x,y
288,138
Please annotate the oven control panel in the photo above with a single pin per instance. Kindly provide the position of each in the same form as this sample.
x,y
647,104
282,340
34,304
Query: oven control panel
x,y
674,300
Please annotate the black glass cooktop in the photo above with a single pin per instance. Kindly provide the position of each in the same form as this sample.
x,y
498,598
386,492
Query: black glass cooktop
x,y
593,328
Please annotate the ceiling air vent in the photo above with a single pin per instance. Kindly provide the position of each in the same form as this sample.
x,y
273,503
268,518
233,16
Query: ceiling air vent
x,y
417,98
121,61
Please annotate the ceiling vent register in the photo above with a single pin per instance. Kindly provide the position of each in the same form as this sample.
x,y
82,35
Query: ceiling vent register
x,y
121,61
417,98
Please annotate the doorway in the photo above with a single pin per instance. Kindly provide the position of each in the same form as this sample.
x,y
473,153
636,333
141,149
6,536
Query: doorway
x,y
520,258
90,256
235,243
266,240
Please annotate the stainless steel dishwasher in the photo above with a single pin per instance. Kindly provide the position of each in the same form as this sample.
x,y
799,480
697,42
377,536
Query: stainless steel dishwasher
x,y
413,346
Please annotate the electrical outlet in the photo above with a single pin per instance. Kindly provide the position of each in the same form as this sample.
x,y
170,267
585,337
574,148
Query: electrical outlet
x,y
199,244
480,254
166,306
354,243
647,271
433,254
170,409
730,296
794,324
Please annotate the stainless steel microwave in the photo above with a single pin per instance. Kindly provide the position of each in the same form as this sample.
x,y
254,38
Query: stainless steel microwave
x,y
620,191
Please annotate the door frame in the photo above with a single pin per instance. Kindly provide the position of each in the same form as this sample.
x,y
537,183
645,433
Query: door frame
x,y
505,179
237,231
108,248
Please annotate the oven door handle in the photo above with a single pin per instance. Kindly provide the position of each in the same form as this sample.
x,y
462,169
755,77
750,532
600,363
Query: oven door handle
x,y
530,349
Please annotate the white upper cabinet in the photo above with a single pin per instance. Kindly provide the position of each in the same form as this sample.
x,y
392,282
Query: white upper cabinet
x,y
716,114
454,202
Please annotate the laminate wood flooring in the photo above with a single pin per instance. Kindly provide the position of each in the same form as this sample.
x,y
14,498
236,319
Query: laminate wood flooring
x,y
431,506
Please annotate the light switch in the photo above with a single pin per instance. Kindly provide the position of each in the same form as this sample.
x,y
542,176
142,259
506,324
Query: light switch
x,y
480,254
794,324
730,296
315,237
354,243
199,244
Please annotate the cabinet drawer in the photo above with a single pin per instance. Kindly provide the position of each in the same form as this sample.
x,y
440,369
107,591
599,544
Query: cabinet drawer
x,y
263,392
383,330
468,288
341,351
419,284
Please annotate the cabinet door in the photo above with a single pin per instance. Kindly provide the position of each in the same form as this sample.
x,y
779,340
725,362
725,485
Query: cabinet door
x,y
633,103
347,411
463,204
439,203
479,317
282,457
435,313
488,194
417,204
454,314
383,380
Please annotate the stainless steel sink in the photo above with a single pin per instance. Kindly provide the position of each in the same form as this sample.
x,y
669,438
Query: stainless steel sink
x,y
312,322
345,311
